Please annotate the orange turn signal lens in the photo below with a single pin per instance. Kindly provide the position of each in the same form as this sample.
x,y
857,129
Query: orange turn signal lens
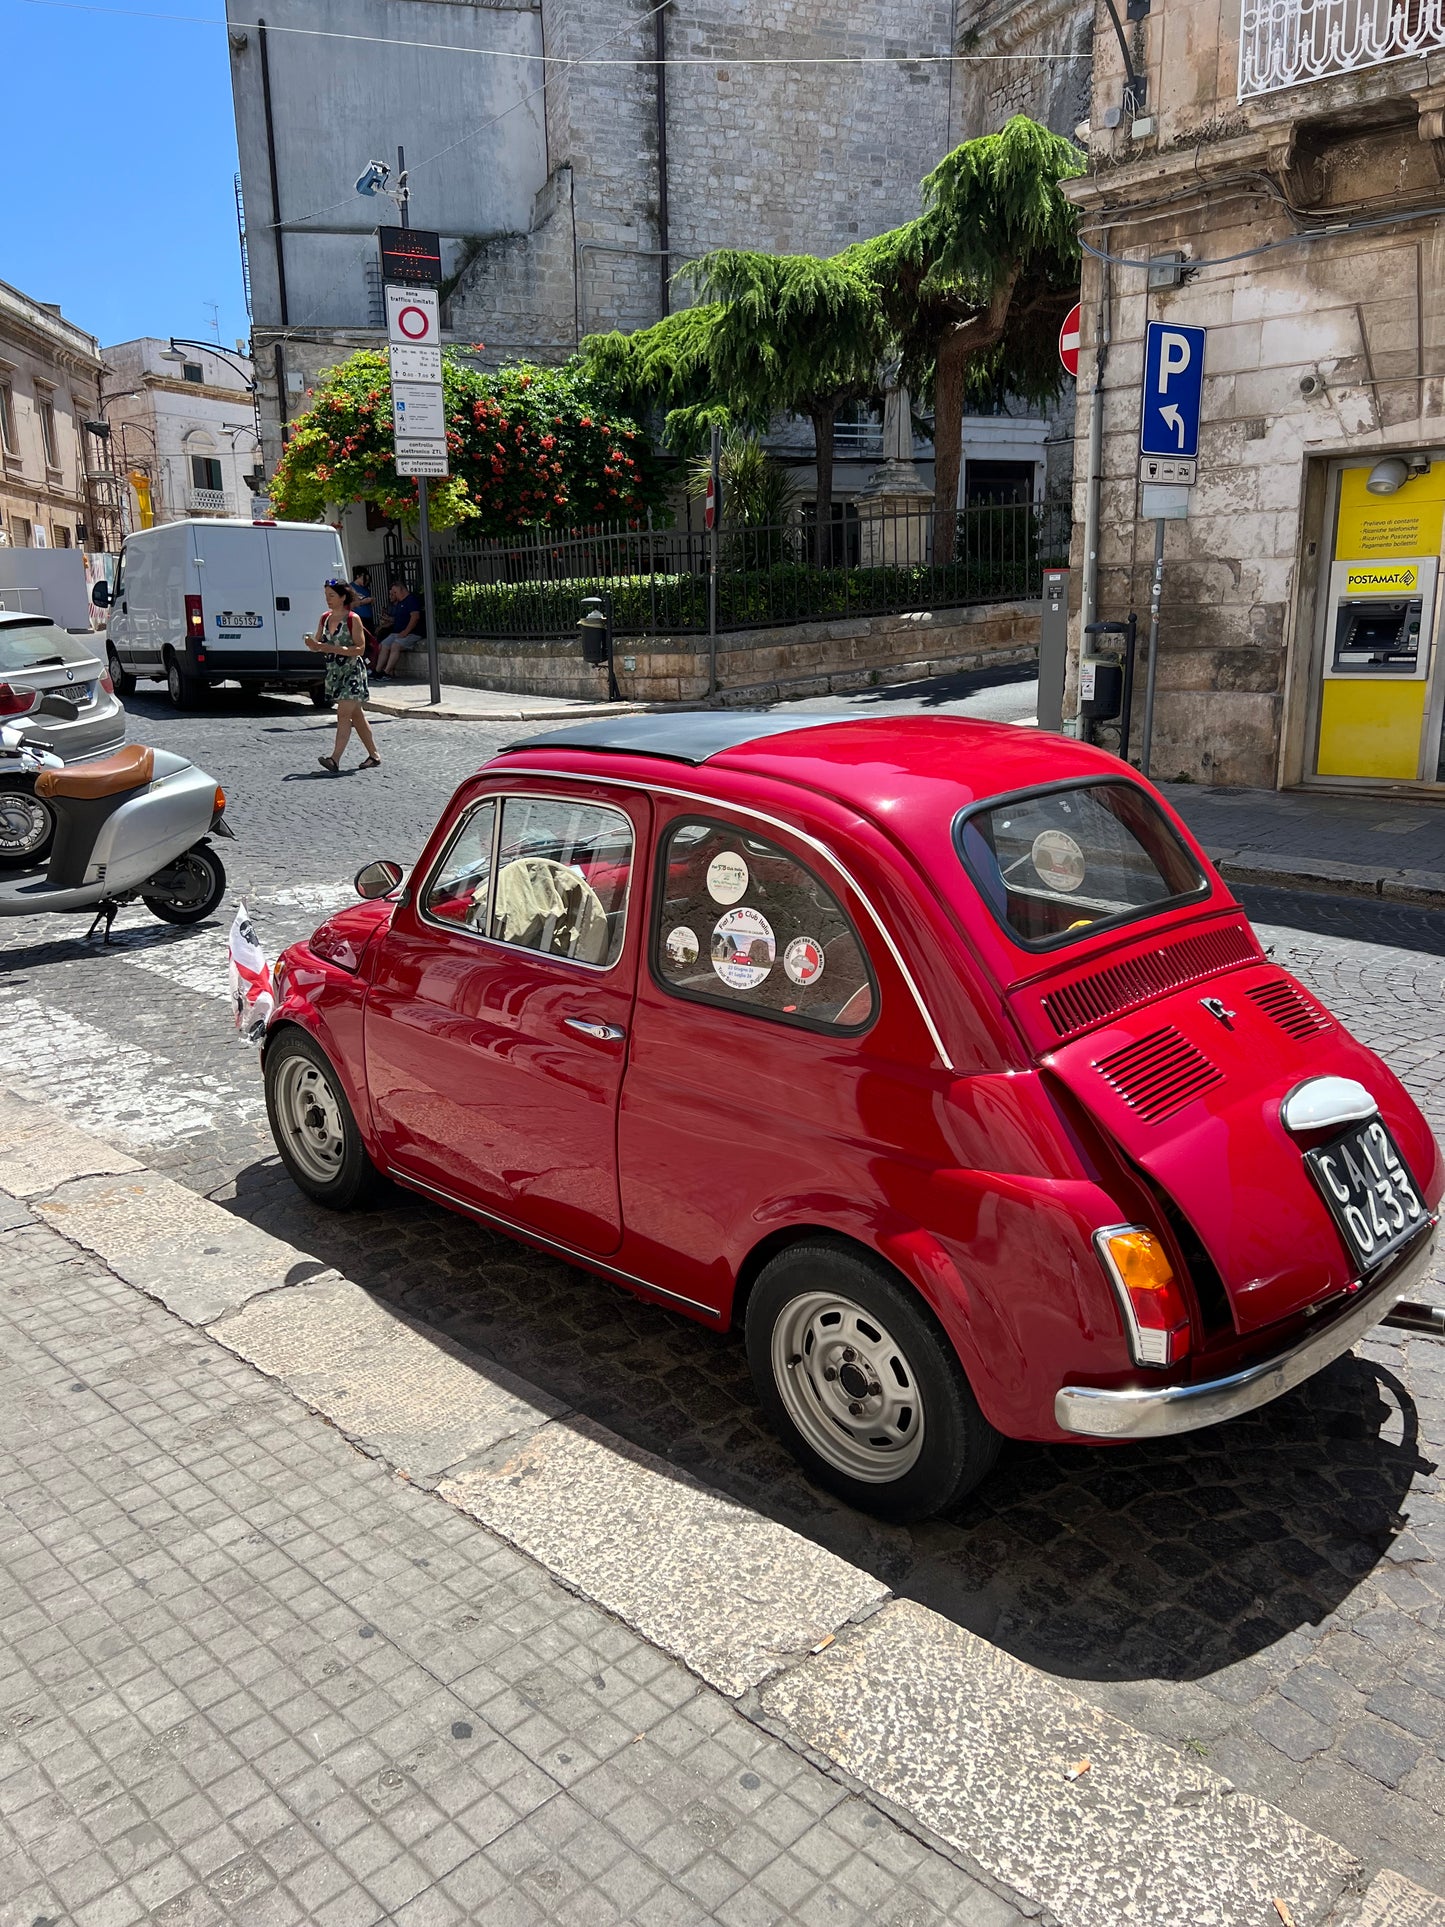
x,y
220,799
1156,1316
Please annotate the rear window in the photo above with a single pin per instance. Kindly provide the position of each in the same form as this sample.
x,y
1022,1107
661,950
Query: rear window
x,y
24,645
1056,865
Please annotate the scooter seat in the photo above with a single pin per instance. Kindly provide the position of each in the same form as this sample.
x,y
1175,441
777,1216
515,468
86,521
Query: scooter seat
x,y
130,768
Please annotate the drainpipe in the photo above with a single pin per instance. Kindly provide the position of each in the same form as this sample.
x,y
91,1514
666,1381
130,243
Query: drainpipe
x,y
659,47
1089,594
276,235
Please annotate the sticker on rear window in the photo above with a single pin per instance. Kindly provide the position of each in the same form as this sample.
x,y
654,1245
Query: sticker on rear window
x,y
1058,860
727,878
682,945
803,961
743,948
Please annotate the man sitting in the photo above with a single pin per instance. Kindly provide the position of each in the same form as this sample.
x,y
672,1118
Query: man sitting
x,y
406,629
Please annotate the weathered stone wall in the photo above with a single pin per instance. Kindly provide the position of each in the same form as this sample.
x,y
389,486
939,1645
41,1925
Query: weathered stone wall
x,y
759,665
1031,57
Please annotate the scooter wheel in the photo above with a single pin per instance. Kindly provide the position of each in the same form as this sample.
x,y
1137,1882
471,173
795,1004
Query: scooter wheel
x,y
27,824
194,886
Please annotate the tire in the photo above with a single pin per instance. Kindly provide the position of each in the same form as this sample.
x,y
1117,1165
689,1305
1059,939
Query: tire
x,y
192,887
27,824
122,680
313,1125
319,697
185,690
922,1443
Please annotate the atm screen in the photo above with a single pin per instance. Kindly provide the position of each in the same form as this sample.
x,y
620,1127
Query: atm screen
x,y
1374,636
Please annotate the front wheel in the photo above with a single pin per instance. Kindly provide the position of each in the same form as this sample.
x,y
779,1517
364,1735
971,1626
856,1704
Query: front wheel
x,y
27,824
860,1382
188,890
185,690
313,1125
122,681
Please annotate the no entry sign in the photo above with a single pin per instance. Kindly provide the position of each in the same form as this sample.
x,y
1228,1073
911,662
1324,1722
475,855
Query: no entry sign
x,y
1069,341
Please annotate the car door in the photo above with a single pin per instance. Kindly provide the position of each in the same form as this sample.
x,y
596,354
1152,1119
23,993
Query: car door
x,y
302,562
497,1022
233,572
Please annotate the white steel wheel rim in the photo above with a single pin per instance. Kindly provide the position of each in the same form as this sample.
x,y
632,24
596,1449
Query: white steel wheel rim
x,y
309,1114
24,823
848,1387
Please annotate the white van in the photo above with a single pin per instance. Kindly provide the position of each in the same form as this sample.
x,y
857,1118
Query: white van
x,y
196,603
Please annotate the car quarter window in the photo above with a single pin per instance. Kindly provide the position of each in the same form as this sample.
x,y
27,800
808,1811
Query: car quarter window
x,y
742,923
457,890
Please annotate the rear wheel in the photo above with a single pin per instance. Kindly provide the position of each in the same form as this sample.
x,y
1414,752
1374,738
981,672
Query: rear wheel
x,y
319,697
122,681
863,1386
27,824
313,1125
188,890
186,691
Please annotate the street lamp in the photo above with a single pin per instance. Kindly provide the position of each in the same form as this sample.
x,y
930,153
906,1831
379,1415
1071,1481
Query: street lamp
x,y
181,342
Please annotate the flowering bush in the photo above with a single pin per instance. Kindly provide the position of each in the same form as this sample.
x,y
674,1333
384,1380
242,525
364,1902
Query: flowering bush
x,y
528,447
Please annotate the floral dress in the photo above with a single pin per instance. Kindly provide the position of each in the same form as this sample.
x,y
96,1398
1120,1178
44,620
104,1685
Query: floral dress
x,y
346,678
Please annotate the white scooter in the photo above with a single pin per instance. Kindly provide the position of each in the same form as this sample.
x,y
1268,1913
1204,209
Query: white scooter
x,y
129,825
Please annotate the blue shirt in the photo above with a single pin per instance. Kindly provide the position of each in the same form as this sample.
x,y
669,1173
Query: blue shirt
x,y
402,613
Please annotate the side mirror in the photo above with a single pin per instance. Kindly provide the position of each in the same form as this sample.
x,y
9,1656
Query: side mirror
x,y
379,878
100,596
61,706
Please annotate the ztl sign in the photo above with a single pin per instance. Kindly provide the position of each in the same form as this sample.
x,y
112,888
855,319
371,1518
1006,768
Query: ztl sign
x,y
1173,386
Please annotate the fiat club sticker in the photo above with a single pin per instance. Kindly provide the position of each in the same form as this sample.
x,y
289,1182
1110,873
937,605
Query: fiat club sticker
x,y
743,948
1058,860
803,961
727,878
682,945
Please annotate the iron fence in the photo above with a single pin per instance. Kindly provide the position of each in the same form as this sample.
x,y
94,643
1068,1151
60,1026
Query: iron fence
x,y
657,580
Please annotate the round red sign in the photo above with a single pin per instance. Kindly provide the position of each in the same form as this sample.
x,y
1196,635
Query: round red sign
x,y
1069,341
415,323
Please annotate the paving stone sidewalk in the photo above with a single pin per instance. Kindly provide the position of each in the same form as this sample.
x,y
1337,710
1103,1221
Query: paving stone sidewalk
x,y
1375,845
248,1674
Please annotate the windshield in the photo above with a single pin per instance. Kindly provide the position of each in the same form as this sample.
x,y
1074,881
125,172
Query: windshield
x,y
24,645
1055,865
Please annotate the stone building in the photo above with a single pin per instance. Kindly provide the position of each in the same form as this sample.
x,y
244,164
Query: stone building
x,y
49,378
1283,169
183,430
571,175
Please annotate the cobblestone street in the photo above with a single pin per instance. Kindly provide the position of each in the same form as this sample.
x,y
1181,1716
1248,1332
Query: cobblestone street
x,y
1266,1596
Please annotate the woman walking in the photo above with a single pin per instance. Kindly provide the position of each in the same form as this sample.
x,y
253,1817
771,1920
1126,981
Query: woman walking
x,y
342,640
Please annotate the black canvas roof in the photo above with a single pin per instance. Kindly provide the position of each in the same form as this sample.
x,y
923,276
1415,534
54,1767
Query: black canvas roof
x,y
690,737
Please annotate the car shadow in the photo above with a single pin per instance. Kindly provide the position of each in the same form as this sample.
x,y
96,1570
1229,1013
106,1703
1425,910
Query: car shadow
x,y
1160,1561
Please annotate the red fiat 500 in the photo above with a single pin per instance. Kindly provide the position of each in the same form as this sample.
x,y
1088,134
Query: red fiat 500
x,y
933,1053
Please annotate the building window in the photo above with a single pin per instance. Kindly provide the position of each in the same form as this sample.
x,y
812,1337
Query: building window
x,y
192,371
20,531
8,444
62,536
205,472
46,411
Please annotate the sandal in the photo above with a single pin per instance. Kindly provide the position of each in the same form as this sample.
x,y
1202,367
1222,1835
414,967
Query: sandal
x,y
330,762
372,762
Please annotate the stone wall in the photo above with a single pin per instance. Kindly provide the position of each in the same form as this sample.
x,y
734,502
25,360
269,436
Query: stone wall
x,y
759,665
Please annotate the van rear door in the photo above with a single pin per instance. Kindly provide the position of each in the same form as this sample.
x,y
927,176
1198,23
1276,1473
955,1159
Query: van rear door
x,y
304,558
234,577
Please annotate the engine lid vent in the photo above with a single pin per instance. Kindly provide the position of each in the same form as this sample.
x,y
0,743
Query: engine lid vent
x,y
1296,1013
1159,1074
1089,999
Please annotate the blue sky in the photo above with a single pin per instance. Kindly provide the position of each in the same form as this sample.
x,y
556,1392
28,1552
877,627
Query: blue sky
x,y
122,149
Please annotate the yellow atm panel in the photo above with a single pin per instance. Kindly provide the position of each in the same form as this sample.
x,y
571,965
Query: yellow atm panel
x,y
1371,729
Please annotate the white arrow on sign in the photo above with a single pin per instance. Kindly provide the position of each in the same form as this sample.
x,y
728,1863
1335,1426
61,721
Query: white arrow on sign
x,y
1175,420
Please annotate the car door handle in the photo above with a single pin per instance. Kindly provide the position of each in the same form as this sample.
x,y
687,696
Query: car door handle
x,y
604,1033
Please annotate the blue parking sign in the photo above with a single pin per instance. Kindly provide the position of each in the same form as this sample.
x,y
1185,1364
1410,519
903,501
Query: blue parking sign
x,y
1173,384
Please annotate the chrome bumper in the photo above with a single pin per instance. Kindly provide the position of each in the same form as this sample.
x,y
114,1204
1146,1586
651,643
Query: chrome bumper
x,y
1144,1412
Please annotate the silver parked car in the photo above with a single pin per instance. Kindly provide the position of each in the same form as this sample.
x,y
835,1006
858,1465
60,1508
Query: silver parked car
x,y
38,656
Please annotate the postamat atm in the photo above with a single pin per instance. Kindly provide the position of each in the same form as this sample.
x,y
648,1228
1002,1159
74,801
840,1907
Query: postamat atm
x,y
1379,687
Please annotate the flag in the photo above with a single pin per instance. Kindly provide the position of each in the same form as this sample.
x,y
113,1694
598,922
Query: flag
x,y
253,995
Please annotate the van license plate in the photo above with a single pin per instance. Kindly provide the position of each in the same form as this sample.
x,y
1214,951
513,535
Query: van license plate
x,y
1369,1190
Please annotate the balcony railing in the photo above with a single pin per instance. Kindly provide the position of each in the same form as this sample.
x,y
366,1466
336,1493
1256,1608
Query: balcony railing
x,y
208,501
1283,43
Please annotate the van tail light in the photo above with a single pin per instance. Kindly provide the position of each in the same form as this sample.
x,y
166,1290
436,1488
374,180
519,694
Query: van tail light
x,y
1156,1317
195,621
15,702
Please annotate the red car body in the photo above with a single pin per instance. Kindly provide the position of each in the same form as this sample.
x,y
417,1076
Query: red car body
x,y
999,1107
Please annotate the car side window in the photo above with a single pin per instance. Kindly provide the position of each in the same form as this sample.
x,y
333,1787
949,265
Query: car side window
x,y
742,923
457,891
563,869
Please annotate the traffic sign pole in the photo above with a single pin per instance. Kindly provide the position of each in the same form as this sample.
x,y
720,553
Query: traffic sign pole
x,y
418,407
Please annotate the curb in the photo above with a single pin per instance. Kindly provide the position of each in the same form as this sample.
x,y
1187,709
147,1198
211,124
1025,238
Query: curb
x,y
1423,887
968,1745
574,713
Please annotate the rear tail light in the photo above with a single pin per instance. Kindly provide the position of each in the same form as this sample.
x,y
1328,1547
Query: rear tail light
x,y
195,621
105,682
1156,1317
220,801
15,702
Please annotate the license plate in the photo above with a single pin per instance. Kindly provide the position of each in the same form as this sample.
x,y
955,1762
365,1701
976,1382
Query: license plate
x,y
1369,1190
